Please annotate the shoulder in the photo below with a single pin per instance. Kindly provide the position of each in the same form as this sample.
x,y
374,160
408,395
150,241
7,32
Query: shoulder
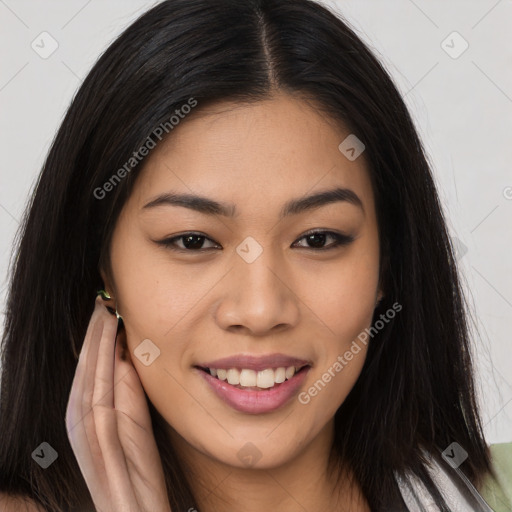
x,y
497,488
10,503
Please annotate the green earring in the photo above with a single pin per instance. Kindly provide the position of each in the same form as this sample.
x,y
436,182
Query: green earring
x,y
106,296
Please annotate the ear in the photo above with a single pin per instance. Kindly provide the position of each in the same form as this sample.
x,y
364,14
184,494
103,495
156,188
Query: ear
x,y
107,283
380,292
380,296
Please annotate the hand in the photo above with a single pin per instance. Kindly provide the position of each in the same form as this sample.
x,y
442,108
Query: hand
x,y
109,426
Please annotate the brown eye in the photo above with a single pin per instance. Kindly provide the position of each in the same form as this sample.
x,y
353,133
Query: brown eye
x,y
192,242
317,239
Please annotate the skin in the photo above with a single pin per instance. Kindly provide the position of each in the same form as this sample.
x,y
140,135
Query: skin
x,y
293,299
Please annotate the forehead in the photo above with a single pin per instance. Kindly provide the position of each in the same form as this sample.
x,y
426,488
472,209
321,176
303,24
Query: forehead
x,y
256,154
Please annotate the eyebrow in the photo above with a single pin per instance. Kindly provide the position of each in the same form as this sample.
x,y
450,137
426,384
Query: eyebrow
x,y
209,206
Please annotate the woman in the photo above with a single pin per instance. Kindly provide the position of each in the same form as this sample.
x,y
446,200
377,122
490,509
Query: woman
x,y
279,322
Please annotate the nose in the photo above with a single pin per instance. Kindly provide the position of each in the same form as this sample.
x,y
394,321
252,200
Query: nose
x,y
258,298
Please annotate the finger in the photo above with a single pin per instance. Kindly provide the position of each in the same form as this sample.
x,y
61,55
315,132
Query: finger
x,y
136,435
82,386
79,420
105,420
81,395
102,356
130,398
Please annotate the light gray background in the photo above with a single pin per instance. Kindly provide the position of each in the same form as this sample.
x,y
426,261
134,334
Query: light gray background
x,y
462,107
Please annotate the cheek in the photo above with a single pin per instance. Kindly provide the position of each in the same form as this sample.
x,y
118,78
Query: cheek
x,y
331,383
156,294
343,297
345,307
343,301
160,312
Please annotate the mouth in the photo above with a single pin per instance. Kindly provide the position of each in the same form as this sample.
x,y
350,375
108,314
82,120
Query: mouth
x,y
250,380
255,386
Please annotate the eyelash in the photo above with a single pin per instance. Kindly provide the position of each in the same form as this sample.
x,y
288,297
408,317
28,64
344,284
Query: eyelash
x,y
340,241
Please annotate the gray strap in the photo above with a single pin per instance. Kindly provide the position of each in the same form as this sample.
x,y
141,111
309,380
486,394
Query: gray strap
x,y
459,493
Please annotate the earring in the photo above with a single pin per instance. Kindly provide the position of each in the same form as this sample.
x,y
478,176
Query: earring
x,y
106,296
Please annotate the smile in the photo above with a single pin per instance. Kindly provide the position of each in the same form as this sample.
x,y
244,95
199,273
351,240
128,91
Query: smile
x,y
251,379
255,392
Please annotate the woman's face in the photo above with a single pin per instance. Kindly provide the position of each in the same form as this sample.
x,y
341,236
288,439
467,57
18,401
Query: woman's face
x,y
251,286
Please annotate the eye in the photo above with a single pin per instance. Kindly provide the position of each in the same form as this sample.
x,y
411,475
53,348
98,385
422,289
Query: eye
x,y
318,238
194,242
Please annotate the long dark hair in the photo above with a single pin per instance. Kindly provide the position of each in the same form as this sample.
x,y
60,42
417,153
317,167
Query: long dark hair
x,y
415,391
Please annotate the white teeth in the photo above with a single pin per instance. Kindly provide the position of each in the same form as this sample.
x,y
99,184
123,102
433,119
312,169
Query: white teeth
x,y
290,372
263,379
247,378
279,375
233,376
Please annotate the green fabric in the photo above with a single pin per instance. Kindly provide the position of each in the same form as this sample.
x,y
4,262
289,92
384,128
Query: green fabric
x,y
498,491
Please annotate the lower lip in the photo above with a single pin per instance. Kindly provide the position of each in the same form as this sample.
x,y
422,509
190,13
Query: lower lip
x,y
252,401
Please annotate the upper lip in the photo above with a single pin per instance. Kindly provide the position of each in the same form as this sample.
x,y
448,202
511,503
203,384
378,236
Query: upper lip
x,y
256,363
